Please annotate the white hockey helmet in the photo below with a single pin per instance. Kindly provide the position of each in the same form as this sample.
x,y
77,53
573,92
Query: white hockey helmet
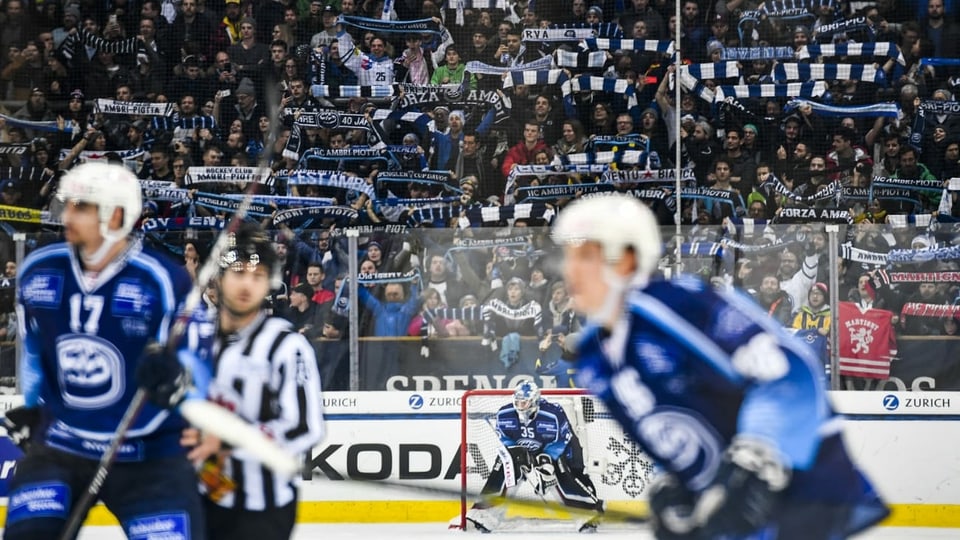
x,y
526,400
109,187
616,222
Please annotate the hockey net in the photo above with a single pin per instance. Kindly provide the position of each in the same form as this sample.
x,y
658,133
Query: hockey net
x,y
618,468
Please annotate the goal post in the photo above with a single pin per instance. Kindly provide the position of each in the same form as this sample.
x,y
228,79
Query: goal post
x,y
620,471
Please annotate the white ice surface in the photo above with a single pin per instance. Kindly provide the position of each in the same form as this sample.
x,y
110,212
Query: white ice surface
x,y
405,531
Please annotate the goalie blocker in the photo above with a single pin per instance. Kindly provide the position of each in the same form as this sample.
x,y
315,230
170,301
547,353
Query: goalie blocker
x,y
540,450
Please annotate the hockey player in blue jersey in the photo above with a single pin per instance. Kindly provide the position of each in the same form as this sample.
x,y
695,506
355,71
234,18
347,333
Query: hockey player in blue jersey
x,y
732,408
88,309
537,446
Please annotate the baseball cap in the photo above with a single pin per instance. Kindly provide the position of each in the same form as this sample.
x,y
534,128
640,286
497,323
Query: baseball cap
x,y
76,94
330,9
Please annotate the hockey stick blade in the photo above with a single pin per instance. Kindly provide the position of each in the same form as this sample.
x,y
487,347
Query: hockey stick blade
x,y
216,420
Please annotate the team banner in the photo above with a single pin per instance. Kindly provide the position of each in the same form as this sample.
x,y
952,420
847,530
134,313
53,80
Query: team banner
x,y
827,193
934,106
14,149
418,26
331,179
557,34
415,176
316,212
757,53
167,194
917,256
805,214
562,191
229,175
930,310
907,183
924,277
182,223
837,27
20,214
850,253
646,176
413,95
331,119
221,203
129,157
137,108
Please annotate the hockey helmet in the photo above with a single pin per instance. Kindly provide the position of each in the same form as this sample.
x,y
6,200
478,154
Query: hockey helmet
x,y
616,222
526,400
109,187
248,247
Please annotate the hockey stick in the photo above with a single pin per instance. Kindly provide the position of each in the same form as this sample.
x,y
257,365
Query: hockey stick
x,y
496,499
222,423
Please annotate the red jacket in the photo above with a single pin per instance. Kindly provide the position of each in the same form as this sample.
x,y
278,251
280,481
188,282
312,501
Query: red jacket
x,y
519,155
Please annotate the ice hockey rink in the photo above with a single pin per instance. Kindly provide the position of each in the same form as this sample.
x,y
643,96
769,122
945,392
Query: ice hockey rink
x,y
408,531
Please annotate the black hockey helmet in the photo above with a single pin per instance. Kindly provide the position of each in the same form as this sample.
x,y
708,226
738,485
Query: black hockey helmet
x,y
248,247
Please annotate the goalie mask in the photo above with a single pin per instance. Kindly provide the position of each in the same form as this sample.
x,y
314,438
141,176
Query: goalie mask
x,y
526,400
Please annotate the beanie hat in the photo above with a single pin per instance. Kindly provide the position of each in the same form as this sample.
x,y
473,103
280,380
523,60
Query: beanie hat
x,y
820,286
756,196
246,87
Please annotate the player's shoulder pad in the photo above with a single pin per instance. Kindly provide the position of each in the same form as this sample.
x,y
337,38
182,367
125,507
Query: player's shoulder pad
x,y
551,407
53,254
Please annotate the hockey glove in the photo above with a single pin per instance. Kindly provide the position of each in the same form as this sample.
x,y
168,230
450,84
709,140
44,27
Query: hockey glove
x,y
543,476
21,424
671,509
161,374
745,492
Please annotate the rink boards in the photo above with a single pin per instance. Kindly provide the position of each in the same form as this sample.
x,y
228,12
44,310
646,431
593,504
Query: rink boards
x,y
906,441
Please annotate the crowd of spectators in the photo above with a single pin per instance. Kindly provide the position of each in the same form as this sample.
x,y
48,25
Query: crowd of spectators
x,y
323,87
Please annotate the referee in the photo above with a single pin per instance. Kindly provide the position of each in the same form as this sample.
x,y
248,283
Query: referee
x,y
267,373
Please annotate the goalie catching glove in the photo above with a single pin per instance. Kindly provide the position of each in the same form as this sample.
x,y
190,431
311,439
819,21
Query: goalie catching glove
x,y
543,475
161,374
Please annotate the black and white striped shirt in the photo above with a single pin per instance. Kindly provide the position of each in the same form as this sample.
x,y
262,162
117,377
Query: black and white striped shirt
x,y
267,374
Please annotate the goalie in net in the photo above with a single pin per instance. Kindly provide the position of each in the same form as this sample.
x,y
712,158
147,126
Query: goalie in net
x,y
538,448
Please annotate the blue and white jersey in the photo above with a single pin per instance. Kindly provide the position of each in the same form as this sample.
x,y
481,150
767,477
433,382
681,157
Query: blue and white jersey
x,y
547,433
83,336
687,368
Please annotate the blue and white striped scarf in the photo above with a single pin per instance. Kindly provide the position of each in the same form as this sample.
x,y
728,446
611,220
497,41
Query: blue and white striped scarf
x,y
623,44
324,90
552,77
890,110
586,83
477,67
828,72
806,89
47,126
712,70
882,49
